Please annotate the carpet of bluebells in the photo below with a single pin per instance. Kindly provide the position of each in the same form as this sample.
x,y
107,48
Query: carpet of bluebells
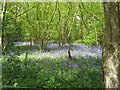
x,y
52,68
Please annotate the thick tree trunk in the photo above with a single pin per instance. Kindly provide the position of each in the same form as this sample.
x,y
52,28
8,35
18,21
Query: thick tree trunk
x,y
111,51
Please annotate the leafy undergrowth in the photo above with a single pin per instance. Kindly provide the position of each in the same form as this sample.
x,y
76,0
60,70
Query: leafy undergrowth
x,y
52,73
26,66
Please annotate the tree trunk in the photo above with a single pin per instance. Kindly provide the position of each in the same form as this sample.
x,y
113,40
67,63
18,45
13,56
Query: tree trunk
x,y
4,7
69,53
111,50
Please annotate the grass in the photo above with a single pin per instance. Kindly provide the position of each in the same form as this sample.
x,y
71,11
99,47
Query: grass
x,y
50,72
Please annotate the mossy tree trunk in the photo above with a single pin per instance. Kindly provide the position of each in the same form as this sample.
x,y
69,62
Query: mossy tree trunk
x,y
111,50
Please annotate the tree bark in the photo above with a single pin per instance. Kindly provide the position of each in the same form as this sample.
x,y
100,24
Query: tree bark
x,y
69,53
4,7
111,50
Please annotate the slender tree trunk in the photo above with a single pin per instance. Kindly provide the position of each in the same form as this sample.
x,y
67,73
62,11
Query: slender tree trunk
x,y
111,51
4,7
69,53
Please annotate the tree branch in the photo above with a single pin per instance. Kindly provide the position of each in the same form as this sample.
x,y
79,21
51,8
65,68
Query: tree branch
x,y
24,12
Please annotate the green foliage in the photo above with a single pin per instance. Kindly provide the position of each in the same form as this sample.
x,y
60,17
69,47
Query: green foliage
x,y
77,41
47,73
57,22
60,21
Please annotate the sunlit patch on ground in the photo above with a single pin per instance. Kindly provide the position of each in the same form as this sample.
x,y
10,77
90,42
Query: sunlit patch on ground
x,y
56,51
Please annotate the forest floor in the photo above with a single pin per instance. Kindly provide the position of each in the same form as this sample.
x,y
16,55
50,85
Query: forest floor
x,y
53,68
55,51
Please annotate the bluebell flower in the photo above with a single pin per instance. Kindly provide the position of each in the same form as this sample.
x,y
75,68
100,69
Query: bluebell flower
x,y
75,65
55,67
